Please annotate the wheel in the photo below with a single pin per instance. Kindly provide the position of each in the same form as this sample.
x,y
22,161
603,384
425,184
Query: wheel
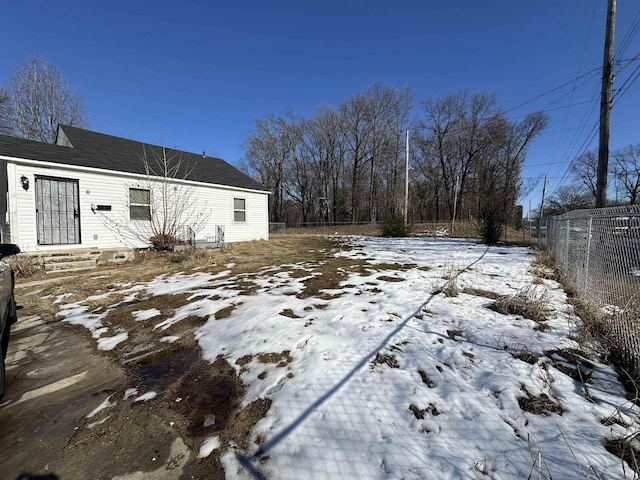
x,y
4,341
2,351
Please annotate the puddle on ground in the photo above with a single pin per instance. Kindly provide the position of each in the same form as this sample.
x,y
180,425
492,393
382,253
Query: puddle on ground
x,y
204,394
158,371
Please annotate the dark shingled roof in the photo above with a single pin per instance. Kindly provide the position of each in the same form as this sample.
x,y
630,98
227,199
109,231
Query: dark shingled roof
x,y
97,150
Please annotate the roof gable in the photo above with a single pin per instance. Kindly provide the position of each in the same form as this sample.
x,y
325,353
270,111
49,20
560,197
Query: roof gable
x,y
79,147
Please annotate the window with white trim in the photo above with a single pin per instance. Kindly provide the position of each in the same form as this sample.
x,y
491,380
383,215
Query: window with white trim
x,y
239,210
139,204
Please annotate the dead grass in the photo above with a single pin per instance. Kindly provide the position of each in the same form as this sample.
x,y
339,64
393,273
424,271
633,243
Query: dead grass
x,y
478,292
386,359
455,333
539,404
420,413
329,274
450,287
247,257
527,303
425,379
225,312
26,266
626,448
282,359
387,278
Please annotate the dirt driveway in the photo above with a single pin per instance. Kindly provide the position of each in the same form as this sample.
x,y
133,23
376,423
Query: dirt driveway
x,y
51,423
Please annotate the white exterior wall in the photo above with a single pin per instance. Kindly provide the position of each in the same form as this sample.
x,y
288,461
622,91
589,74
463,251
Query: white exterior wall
x,y
99,187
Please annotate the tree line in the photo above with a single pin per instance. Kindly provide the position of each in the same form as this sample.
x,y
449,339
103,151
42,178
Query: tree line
x,y
346,164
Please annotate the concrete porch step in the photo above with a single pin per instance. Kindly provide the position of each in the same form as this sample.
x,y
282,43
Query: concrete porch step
x,y
65,258
69,266
81,259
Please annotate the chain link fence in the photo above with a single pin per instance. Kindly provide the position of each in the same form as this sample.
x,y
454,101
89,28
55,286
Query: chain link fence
x,y
599,252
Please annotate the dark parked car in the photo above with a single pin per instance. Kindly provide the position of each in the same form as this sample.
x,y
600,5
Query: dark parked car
x,y
8,315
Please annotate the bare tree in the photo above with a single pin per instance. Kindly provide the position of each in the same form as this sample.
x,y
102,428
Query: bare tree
x,y
163,210
584,169
325,154
266,153
569,197
455,130
500,185
5,128
38,99
626,169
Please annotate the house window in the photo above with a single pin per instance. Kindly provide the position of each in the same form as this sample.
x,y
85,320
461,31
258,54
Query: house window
x,y
139,204
239,210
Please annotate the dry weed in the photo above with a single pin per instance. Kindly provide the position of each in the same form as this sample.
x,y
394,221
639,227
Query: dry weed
x,y
626,448
25,266
451,286
527,303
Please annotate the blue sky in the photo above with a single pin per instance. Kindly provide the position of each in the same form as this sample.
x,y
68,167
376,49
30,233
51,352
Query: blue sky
x,y
195,75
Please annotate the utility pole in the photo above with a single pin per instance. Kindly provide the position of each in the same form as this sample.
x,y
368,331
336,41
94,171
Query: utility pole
x,y
455,202
605,107
544,190
406,180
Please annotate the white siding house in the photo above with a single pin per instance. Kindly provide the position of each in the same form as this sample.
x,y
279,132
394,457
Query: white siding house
x,y
92,191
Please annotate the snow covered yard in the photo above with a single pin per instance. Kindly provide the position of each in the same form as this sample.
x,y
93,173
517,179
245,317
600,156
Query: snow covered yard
x,y
400,367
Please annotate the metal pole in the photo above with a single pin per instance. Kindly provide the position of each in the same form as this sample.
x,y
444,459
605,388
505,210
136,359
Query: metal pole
x,y
406,180
605,107
529,219
544,190
455,202
586,266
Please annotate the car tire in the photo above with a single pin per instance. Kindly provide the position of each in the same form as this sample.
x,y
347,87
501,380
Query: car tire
x,y
2,353
4,341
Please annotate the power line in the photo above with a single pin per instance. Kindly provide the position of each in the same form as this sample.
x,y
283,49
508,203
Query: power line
x,y
621,91
629,62
583,149
584,49
628,36
553,90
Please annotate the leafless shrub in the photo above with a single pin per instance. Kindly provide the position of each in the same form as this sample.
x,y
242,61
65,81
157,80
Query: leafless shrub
x,y
25,266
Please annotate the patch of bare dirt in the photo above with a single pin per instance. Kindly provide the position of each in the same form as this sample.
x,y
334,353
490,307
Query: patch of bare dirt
x,y
387,278
420,413
282,359
225,312
539,404
386,359
287,312
478,292
425,379
329,275
455,333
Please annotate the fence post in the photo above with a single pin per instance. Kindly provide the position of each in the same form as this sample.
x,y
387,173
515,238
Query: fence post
x,y
588,259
